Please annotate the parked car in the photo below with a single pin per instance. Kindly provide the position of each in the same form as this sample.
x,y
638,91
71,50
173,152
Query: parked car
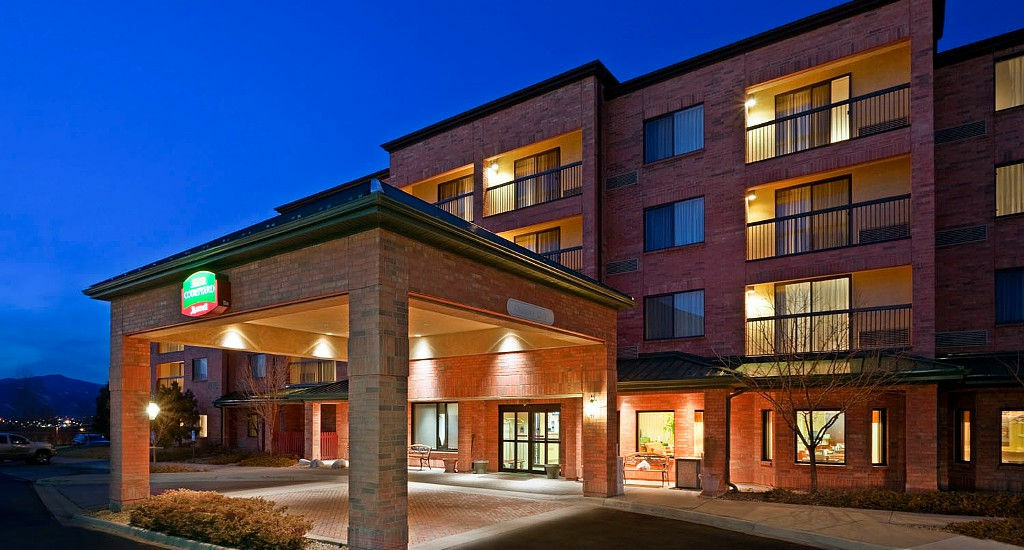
x,y
90,440
16,447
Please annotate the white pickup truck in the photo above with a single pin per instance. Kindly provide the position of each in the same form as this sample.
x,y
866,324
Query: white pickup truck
x,y
16,447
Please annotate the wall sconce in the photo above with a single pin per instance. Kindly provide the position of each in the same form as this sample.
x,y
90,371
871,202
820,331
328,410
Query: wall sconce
x,y
493,167
750,102
751,196
590,407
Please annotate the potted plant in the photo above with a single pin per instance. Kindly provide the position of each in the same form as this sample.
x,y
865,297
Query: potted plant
x,y
552,470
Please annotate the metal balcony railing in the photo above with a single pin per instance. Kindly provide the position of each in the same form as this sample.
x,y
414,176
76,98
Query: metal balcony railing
x,y
569,257
459,205
868,328
856,117
855,224
564,181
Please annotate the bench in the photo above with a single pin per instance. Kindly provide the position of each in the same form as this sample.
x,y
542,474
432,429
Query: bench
x,y
421,454
654,463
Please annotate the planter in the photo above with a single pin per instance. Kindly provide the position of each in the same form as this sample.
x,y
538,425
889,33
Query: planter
x,y
479,466
552,470
709,483
449,465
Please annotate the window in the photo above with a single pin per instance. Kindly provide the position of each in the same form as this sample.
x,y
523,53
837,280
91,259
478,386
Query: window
x,y
804,329
199,369
203,419
820,125
698,433
1010,189
797,231
655,432
1013,437
674,134
18,440
169,347
454,188
963,436
168,374
312,372
830,427
675,224
1010,295
253,425
258,365
878,437
1010,83
767,436
437,425
541,242
679,315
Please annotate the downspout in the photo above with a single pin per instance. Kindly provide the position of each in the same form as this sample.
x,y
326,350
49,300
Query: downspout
x,y
728,440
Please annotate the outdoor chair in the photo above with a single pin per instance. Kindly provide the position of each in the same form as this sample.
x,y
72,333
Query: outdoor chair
x,y
420,453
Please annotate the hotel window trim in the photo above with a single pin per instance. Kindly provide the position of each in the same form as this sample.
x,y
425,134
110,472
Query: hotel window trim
x,y
1009,83
674,224
674,134
879,438
1012,431
656,426
767,435
436,425
1010,295
1010,189
838,428
664,317
200,369
963,436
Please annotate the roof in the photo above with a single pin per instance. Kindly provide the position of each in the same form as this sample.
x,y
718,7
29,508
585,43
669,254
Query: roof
x,y
333,391
977,49
321,195
353,208
614,88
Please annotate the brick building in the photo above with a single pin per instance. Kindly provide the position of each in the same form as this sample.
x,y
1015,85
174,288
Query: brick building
x,y
835,179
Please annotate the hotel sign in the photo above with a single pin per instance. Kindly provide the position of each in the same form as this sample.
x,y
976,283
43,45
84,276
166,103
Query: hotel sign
x,y
204,293
530,312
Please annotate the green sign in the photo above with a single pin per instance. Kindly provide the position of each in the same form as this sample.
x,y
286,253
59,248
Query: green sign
x,y
203,293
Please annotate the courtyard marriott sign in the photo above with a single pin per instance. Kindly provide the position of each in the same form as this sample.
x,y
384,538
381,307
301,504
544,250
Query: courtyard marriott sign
x,y
203,293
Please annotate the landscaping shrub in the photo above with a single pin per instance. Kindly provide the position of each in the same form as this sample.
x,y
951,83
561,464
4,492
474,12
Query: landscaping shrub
x,y
223,458
173,468
1010,531
272,461
206,516
934,502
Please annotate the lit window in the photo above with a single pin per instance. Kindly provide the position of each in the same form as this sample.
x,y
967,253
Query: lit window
x,y
199,371
258,365
675,224
168,347
202,425
1010,189
253,425
312,371
963,439
698,433
674,134
830,430
436,425
1013,437
168,374
1010,83
655,432
767,436
679,315
1010,295
878,437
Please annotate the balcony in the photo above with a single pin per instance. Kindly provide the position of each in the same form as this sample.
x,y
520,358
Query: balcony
x,y
539,188
558,240
861,116
866,222
459,205
451,191
869,328
569,257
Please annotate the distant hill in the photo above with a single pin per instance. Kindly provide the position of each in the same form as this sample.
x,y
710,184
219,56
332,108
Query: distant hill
x,y
44,396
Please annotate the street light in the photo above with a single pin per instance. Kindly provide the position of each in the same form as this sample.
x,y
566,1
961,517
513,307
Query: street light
x,y
152,410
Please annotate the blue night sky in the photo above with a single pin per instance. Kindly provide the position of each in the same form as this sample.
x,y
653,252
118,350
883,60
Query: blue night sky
x,y
131,132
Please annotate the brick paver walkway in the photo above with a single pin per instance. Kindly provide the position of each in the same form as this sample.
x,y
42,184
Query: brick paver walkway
x,y
434,511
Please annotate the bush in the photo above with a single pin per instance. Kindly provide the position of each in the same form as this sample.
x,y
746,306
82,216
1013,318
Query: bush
x,y
224,458
1010,531
268,460
206,516
173,468
934,502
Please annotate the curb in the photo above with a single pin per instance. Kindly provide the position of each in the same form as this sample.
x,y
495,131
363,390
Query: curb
x,y
137,533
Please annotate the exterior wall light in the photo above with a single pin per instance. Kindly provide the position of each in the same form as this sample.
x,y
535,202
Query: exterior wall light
x,y
590,407
751,196
750,102
494,167
152,410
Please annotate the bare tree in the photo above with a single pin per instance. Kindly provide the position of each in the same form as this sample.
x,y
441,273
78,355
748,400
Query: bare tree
x,y
809,364
263,380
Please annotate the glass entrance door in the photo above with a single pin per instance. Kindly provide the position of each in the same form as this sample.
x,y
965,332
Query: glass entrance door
x,y
530,437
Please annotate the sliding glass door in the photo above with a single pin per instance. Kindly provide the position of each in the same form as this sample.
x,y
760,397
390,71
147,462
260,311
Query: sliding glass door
x,y
530,437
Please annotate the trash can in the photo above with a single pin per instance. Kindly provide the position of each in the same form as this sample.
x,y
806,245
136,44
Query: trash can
x,y
479,466
552,470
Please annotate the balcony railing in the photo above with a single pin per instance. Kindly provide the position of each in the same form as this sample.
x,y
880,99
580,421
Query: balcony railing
x,y
860,116
569,257
459,205
855,224
564,181
868,328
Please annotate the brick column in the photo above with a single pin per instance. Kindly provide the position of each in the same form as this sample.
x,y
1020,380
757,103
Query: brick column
x,y
311,426
129,422
478,191
921,460
341,428
600,442
714,438
379,387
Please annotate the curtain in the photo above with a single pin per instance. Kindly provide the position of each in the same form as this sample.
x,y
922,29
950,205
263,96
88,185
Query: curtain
x,y
1010,189
1010,83
689,314
658,232
688,134
688,222
658,317
658,135
792,235
1010,296
803,132
540,189
541,241
454,188
830,229
830,332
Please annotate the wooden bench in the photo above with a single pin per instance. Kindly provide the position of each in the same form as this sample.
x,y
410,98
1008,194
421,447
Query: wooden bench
x,y
420,453
656,462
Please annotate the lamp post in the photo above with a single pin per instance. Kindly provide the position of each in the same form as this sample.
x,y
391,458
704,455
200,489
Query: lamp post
x,y
152,410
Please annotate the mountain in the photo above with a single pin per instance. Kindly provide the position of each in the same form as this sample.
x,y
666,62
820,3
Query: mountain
x,y
44,396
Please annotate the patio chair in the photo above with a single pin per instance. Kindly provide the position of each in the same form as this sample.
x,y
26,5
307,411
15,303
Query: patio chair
x,y
421,453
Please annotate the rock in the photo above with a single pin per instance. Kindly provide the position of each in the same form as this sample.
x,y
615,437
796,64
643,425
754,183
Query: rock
x,y
316,463
303,462
339,464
